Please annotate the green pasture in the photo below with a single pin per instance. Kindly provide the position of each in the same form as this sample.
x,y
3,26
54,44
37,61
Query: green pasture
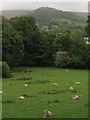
x,y
40,94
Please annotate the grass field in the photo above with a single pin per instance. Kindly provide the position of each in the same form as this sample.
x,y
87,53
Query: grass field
x,y
41,94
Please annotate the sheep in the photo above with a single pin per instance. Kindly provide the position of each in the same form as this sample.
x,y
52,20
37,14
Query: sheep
x,y
1,92
66,70
71,88
26,85
76,97
21,98
54,84
87,42
77,83
47,114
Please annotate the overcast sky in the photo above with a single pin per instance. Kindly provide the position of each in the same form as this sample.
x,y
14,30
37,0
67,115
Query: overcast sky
x,y
80,6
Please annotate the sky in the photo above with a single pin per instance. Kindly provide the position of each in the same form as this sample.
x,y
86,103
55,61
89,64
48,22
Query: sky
x,y
65,5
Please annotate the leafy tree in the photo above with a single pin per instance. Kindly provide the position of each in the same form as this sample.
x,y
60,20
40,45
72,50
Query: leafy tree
x,y
0,38
88,27
77,49
78,54
62,41
27,28
12,45
45,56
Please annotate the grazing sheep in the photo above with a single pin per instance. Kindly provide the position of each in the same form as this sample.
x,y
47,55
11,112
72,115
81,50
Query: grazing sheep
x,y
26,85
77,83
76,97
66,70
54,84
71,88
1,92
21,98
47,114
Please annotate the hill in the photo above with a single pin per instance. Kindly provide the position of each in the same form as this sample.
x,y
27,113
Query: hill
x,y
81,14
49,17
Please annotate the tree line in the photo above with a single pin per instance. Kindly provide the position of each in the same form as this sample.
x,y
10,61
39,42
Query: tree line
x,y
24,44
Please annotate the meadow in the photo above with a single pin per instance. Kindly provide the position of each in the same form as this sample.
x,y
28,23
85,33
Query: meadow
x,y
40,94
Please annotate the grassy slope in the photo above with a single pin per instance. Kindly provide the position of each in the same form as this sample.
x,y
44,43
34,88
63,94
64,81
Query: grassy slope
x,y
33,106
46,15
51,16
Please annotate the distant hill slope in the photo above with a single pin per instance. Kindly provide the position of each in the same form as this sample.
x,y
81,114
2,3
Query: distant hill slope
x,y
81,14
47,15
50,16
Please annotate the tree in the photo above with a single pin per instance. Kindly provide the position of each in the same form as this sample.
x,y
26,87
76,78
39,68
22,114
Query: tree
x,y
27,28
88,34
12,45
88,27
62,41
78,54
45,56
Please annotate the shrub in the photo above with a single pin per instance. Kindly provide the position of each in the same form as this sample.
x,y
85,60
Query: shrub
x,y
0,69
5,70
61,59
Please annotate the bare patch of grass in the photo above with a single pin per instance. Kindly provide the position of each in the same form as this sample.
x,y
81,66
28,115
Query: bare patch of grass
x,y
54,92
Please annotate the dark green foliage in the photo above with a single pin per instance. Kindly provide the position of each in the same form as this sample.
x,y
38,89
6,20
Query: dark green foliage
x,y
45,56
62,41
78,55
27,28
88,27
5,70
74,43
12,45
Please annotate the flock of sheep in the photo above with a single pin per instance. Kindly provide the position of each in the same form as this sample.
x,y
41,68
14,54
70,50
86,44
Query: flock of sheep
x,y
48,113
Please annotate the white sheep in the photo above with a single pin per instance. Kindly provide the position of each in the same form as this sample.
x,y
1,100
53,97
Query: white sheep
x,y
77,83
76,97
87,42
47,114
1,92
21,98
66,70
54,84
26,85
71,88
